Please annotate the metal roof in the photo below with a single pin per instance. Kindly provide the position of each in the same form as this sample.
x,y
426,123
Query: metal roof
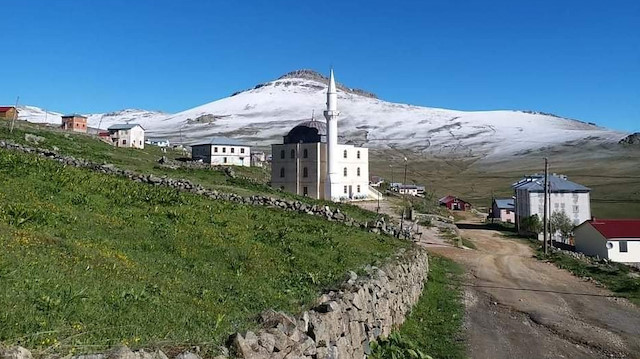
x,y
74,115
616,228
318,125
535,183
224,141
123,126
505,203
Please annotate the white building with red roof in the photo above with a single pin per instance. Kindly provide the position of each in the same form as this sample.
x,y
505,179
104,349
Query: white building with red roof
x,y
615,239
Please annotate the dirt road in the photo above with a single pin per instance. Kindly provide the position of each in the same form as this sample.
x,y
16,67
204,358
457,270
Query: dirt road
x,y
519,307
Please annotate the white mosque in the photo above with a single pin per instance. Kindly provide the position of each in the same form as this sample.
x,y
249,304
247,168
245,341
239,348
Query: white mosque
x,y
311,163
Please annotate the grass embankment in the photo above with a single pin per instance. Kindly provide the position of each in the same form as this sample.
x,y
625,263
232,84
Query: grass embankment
x,y
250,180
89,260
617,277
434,326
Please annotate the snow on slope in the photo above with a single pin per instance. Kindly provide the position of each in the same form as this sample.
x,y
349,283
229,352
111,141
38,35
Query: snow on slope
x,y
264,114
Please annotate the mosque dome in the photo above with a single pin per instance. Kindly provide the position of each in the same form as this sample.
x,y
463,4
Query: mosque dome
x,y
307,132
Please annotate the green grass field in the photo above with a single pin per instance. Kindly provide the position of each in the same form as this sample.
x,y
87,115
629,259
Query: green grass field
x,y
250,180
90,260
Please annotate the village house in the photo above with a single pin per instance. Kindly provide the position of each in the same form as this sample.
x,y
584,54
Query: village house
x,y
258,158
617,240
127,135
310,162
222,151
8,112
565,196
503,209
454,203
76,123
160,142
376,181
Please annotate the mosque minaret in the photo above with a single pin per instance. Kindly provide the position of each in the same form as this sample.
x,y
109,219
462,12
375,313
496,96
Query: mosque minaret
x,y
331,114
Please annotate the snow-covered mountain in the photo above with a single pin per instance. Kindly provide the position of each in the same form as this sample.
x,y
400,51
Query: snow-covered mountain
x,y
99,120
265,113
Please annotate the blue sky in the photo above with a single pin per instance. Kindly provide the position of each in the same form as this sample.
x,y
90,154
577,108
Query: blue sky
x,y
579,59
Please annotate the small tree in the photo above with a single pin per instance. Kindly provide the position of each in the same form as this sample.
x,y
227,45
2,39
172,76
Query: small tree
x,y
560,222
531,224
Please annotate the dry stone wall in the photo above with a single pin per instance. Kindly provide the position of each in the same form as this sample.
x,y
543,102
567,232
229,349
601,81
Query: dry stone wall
x,y
332,214
345,321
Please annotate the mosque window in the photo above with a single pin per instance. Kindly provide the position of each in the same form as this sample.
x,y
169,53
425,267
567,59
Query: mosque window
x,y
358,173
305,153
345,189
358,154
293,153
282,172
358,188
282,154
305,172
345,171
344,154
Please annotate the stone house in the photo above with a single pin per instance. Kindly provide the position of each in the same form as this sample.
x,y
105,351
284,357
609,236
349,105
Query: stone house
x,y
76,123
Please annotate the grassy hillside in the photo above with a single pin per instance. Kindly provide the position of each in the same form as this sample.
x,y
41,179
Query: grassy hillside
x,y
250,180
90,260
611,171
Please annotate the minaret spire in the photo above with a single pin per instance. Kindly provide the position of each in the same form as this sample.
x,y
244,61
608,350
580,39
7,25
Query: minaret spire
x,y
331,114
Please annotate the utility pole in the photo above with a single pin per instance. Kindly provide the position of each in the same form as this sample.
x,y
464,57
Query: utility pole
x,y
546,205
15,115
391,173
404,195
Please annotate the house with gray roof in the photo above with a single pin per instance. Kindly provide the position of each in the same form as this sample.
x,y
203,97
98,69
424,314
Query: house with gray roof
x,y
222,151
127,135
503,209
564,196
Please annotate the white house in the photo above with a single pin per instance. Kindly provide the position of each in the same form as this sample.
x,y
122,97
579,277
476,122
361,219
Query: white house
x,y
160,142
614,239
127,135
569,197
310,162
222,151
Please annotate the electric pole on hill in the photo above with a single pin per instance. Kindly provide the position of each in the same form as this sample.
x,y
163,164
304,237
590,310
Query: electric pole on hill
x,y
546,204
15,115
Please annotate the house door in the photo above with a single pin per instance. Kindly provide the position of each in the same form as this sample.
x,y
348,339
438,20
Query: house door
x,y
350,191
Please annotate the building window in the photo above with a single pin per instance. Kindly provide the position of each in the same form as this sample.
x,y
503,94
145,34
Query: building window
x,y
305,153
623,247
576,209
224,159
345,189
293,153
358,154
242,150
124,142
358,172
305,191
282,172
344,154
215,149
358,188
305,172
224,150
282,154
345,171
233,150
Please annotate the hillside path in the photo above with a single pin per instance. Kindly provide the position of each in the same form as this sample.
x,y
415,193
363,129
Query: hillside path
x,y
520,307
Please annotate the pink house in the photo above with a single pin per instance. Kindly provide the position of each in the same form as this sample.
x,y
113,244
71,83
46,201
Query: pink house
x,y
503,209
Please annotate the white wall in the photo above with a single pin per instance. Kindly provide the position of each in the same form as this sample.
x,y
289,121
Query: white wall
x,y
223,155
352,180
633,250
133,137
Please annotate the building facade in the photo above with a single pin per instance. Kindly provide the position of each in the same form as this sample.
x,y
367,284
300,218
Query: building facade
x,y
565,196
221,151
310,162
8,112
454,203
76,123
160,142
614,239
503,209
127,135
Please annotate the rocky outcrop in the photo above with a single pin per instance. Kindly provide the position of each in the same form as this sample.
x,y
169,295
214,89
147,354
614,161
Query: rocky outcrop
x,y
332,214
345,321
632,139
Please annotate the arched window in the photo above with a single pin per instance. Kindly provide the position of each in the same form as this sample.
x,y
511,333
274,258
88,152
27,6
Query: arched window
x,y
305,172
281,153
358,173
305,153
282,172
345,171
344,154
293,153
358,154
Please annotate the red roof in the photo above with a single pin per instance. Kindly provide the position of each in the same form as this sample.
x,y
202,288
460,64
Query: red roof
x,y
6,108
617,228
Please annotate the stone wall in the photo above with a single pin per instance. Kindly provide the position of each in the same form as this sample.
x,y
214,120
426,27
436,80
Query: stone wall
x,y
345,321
329,213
